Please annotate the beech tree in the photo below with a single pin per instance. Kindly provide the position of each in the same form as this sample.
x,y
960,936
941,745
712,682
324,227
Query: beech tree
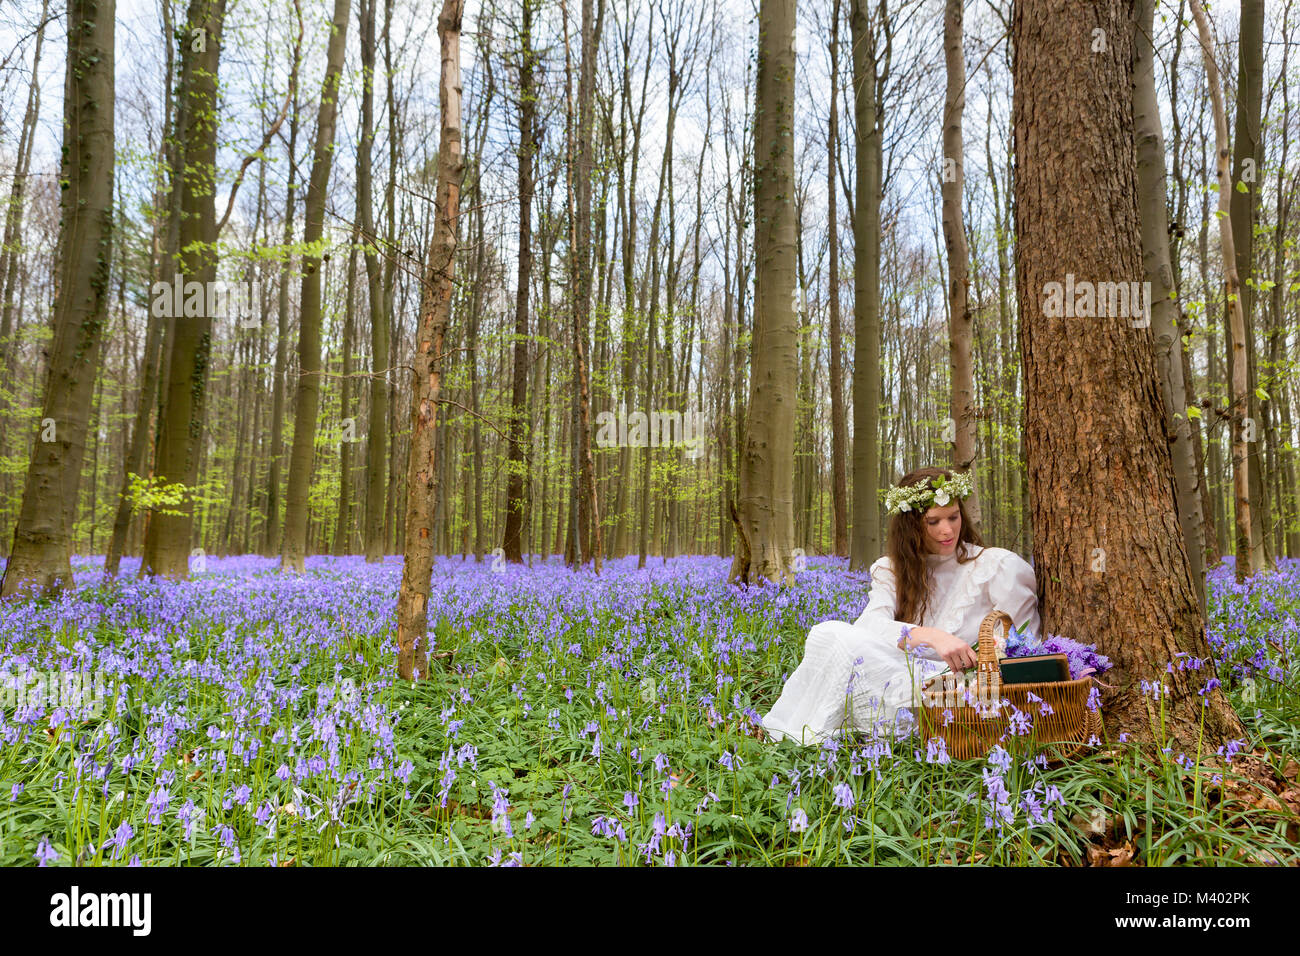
x,y
41,556
307,402
764,514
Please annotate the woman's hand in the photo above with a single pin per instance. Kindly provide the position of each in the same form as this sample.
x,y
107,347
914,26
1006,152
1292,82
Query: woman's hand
x,y
956,653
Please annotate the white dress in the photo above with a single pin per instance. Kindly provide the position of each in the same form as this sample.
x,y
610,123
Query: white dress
x,y
855,676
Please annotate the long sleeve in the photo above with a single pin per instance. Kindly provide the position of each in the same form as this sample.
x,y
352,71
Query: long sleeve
x,y
882,601
1015,591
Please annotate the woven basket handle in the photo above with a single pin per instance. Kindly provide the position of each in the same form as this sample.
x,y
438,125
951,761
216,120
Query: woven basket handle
x,y
988,651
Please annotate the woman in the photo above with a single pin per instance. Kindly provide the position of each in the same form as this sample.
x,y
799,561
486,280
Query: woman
x,y
937,574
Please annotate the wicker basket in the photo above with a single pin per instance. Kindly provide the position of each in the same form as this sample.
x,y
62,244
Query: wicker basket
x,y
975,727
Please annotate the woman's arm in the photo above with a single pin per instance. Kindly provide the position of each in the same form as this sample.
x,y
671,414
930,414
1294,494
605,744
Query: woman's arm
x,y
1015,591
882,601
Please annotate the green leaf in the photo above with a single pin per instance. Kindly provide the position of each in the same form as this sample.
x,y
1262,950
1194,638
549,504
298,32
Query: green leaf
x,y
1193,411
1242,187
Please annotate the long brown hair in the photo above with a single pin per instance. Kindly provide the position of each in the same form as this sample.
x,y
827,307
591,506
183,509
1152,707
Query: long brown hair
x,y
907,549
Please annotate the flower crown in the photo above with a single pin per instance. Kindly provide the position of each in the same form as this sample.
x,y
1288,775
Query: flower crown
x,y
940,491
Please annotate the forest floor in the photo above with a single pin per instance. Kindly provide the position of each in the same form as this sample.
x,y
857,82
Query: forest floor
x,y
252,717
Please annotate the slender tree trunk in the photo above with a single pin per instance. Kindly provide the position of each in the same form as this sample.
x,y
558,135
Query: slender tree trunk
x,y
1162,309
302,456
1243,429
518,450
839,425
343,523
435,313
954,234
865,543
377,429
1247,162
581,280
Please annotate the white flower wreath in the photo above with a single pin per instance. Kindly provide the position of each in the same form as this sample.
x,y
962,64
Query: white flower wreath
x,y
939,491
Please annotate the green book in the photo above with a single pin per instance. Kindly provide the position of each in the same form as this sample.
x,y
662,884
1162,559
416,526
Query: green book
x,y
1037,668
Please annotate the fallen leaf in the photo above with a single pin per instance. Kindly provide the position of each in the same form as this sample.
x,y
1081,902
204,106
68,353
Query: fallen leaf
x,y
196,775
1267,801
1122,856
1291,770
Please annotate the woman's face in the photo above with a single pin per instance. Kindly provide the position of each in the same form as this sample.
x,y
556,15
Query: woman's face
x,y
942,528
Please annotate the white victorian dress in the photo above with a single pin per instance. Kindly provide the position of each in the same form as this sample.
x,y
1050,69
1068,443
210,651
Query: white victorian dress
x,y
855,676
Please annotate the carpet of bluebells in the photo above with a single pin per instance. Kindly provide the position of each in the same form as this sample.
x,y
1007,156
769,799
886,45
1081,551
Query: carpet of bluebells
x,y
253,717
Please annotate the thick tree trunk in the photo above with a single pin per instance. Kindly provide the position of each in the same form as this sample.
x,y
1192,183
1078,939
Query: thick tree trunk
x,y
766,498
189,336
1163,311
1107,550
41,555
302,456
435,313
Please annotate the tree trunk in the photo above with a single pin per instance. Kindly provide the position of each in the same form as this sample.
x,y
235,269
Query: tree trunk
x,y
839,425
954,235
589,513
1247,163
343,523
189,336
1243,428
1163,311
377,429
41,555
435,313
765,522
865,542
517,452
1107,551
302,456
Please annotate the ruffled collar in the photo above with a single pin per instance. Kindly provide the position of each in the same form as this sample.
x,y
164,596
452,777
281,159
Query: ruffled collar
x,y
933,560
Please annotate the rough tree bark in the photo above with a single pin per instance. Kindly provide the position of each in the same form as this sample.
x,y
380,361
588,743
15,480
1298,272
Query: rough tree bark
x,y
1108,554
426,379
